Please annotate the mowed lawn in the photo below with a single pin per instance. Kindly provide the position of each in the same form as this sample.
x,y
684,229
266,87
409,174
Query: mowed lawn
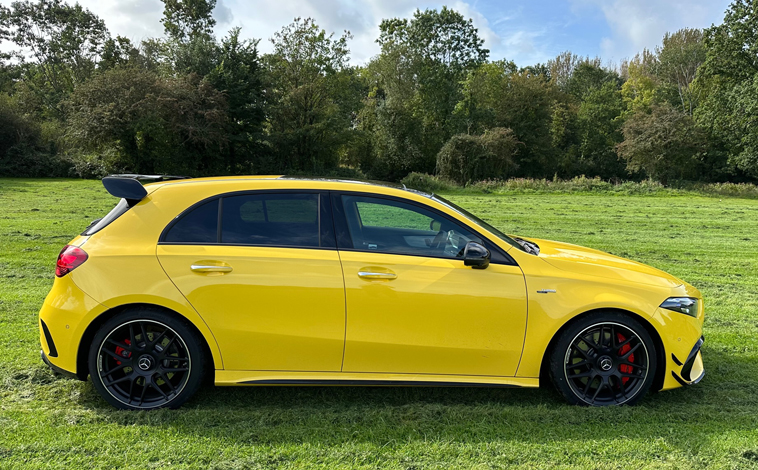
x,y
50,422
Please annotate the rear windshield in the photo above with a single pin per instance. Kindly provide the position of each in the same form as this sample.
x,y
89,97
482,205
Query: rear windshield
x,y
114,214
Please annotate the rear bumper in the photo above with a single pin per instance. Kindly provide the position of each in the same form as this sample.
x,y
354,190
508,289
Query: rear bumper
x,y
63,319
57,369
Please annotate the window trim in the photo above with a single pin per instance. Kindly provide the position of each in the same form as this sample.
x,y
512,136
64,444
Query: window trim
x,y
326,230
345,243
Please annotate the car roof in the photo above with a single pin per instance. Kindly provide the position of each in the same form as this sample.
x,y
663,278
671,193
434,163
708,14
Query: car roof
x,y
288,179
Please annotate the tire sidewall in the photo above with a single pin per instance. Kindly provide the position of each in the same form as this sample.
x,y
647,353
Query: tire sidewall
x,y
189,337
558,354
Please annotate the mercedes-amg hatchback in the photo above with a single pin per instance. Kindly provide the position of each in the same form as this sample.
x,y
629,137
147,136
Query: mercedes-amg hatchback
x,y
274,280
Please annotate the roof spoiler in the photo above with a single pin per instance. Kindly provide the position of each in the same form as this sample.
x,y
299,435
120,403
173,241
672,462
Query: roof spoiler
x,y
128,186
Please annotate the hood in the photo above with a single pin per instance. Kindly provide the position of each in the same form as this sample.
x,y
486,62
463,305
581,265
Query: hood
x,y
578,259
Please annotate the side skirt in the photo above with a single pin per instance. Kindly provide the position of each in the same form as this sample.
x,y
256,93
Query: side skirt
x,y
351,379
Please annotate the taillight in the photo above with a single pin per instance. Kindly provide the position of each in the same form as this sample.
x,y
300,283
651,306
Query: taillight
x,y
69,259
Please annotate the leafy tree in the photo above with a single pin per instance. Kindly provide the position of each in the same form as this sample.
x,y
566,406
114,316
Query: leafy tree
x,y
238,76
136,121
58,46
306,70
588,77
640,90
563,66
188,19
678,60
664,143
442,37
599,120
496,96
416,82
118,52
728,81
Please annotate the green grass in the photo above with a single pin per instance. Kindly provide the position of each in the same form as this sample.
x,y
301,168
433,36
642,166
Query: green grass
x,y
49,422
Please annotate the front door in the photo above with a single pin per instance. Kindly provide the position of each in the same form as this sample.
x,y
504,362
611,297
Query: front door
x,y
412,305
266,278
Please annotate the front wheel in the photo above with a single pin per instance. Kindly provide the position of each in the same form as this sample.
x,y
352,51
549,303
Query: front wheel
x,y
145,359
606,358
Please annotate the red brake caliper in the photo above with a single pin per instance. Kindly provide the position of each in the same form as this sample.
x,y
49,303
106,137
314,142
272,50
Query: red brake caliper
x,y
623,368
123,352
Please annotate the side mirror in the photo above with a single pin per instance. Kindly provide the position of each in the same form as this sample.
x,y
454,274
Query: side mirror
x,y
476,256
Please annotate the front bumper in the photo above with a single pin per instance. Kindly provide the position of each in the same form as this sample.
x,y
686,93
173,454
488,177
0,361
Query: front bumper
x,y
692,368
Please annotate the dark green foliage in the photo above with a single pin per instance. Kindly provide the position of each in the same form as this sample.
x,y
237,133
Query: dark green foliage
x,y
665,144
307,73
588,77
238,76
467,158
497,96
22,152
728,79
414,87
135,120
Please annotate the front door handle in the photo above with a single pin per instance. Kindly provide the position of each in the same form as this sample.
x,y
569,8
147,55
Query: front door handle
x,y
376,275
209,268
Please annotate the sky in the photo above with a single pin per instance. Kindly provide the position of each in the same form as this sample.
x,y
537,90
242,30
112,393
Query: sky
x,y
525,31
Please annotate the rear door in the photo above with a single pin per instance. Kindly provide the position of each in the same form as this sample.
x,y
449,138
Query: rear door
x,y
262,270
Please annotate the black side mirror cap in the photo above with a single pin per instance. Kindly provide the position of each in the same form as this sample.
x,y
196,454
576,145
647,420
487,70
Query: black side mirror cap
x,y
476,255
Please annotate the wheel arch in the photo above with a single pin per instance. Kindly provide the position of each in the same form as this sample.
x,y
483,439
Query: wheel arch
x,y
660,373
89,334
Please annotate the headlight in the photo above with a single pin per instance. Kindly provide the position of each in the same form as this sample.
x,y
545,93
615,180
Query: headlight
x,y
685,305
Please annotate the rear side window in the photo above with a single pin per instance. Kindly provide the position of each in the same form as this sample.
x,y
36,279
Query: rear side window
x,y
200,225
114,214
279,219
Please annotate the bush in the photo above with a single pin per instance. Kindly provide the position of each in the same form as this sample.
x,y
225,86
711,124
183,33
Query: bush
x,y
22,152
340,172
465,158
427,183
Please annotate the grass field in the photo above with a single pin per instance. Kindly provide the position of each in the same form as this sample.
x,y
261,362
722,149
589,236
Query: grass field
x,y
49,422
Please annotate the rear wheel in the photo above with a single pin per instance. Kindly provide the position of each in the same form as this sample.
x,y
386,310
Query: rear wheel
x,y
606,358
145,359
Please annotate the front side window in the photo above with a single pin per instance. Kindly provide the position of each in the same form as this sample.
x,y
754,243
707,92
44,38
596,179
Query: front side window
x,y
391,226
271,219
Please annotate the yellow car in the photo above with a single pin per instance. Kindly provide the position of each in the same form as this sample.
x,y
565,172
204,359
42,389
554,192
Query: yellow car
x,y
284,281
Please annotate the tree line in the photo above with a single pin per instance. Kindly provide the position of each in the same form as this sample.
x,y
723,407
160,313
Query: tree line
x,y
76,101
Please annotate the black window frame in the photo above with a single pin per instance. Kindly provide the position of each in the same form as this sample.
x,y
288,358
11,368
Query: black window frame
x,y
345,242
327,239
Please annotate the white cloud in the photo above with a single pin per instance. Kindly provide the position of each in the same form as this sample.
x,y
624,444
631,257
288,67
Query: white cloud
x,y
640,24
260,19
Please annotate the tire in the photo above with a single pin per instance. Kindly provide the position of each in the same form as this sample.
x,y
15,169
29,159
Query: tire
x,y
144,358
606,358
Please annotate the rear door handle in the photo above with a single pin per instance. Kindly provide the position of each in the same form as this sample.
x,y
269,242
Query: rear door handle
x,y
376,275
209,268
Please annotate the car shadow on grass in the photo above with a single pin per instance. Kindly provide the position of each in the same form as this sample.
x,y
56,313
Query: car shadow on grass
x,y
724,401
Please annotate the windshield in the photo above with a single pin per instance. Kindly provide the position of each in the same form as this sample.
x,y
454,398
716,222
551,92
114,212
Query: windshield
x,y
478,222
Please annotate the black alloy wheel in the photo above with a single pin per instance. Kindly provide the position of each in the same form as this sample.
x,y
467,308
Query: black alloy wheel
x,y
145,360
608,360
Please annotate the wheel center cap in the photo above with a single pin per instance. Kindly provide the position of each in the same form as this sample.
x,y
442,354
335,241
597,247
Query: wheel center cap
x,y
145,363
605,363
